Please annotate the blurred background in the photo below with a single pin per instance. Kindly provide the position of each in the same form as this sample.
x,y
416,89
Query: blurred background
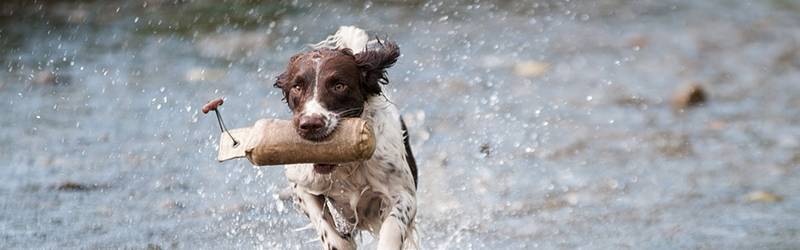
x,y
604,124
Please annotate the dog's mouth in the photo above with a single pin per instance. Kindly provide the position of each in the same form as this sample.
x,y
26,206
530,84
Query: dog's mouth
x,y
324,168
314,136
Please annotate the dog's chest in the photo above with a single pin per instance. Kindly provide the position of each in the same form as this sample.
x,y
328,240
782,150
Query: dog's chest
x,y
357,193
355,196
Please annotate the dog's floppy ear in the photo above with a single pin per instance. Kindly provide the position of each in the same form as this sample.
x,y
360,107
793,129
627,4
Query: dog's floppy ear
x,y
373,64
283,81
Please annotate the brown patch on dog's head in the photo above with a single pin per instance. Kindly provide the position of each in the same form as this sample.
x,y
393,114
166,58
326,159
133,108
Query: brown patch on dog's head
x,y
322,86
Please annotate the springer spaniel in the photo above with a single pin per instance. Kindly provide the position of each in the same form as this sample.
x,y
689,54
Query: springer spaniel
x,y
379,194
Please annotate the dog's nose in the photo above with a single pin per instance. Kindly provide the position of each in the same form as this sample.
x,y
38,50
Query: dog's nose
x,y
311,124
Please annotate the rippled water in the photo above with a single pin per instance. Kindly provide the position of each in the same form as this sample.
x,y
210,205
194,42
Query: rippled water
x,y
535,124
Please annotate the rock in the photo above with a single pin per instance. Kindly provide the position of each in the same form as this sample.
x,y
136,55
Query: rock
x,y
688,96
172,204
71,186
43,160
132,159
50,77
763,196
105,210
638,42
632,100
74,186
45,77
531,68
77,15
242,207
715,125
486,149
672,144
153,3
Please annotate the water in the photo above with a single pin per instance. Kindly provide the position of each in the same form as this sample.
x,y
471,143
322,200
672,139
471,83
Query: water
x,y
535,124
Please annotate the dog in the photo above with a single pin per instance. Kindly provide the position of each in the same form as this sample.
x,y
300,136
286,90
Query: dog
x,y
343,77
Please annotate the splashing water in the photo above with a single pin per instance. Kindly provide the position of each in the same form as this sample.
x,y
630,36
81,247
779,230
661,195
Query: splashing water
x,y
536,124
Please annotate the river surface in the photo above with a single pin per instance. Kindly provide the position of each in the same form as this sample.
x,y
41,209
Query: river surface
x,y
536,124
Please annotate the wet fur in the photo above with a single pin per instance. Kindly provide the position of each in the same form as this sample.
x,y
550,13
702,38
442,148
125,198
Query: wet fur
x,y
377,195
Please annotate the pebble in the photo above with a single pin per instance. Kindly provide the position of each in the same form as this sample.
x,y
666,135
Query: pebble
x,y
763,196
71,186
105,210
688,96
172,204
531,68
240,208
50,77
672,144
637,42
132,159
45,77
486,149
77,15
715,125
154,3
43,160
633,100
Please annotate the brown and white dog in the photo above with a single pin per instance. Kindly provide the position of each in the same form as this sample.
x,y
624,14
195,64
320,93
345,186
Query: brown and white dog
x,y
342,78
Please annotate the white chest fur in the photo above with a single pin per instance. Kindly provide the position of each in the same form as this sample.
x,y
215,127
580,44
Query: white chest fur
x,y
357,189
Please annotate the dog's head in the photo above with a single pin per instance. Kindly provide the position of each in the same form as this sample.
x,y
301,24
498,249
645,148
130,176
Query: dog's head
x,y
325,85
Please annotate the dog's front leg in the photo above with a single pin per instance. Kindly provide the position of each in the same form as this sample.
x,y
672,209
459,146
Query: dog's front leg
x,y
397,228
312,206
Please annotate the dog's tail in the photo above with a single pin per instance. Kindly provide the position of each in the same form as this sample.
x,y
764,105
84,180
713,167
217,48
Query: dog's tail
x,y
350,37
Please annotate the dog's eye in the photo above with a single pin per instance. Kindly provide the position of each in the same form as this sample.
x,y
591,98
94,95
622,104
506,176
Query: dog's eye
x,y
339,87
296,88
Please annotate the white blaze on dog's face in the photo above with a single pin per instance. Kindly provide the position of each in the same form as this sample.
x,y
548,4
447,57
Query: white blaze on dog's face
x,y
323,86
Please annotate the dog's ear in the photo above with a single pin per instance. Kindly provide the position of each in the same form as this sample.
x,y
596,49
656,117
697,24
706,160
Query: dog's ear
x,y
282,81
373,64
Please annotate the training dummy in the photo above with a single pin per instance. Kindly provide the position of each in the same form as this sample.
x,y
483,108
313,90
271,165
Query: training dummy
x,y
276,142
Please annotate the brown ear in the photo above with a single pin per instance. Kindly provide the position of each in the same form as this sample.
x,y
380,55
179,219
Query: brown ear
x,y
373,64
283,81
